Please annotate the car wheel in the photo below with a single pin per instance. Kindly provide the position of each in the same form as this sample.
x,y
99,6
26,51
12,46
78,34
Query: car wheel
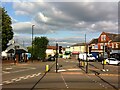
x,y
107,63
118,64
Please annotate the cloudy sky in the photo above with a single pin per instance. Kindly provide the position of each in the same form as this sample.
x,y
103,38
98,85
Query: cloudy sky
x,y
62,22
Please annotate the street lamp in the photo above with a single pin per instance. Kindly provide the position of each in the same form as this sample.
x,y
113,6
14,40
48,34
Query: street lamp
x,y
56,57
32,42
86,55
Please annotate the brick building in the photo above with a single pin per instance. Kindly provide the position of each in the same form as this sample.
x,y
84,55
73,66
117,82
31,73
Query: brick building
x,y
106,43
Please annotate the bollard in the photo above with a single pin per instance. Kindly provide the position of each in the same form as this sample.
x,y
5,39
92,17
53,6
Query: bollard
x,y
47,68
85,63
82,63
104,62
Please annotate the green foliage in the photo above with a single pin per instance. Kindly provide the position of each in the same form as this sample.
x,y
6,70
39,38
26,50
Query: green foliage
x,y
29,49
7,31
39,47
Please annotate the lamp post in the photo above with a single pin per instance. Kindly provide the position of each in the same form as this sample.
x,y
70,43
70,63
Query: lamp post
x,y
32,42
86,56
56,57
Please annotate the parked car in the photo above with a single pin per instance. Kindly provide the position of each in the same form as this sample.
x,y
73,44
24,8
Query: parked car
x,y
112,61
90,57
51,58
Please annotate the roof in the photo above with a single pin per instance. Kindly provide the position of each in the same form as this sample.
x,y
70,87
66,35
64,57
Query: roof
x,y
94,41
79,44
12,47
51,47
114,37
54,47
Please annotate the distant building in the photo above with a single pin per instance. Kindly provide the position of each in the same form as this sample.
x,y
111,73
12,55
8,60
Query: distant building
x,y
78,48
51,50
108,41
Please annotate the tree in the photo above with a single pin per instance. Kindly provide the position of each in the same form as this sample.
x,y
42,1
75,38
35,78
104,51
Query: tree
x,y
39,47
7,31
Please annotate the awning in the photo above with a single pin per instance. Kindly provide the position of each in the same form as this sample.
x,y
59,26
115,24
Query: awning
x,y
75,53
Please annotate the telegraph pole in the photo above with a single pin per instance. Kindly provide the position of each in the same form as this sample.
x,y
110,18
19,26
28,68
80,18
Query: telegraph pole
x,y
32,42
56,57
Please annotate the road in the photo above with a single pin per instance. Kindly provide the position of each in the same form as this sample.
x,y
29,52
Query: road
x,y
32,76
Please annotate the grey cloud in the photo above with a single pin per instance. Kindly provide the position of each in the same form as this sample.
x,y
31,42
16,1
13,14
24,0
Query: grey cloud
x,y
66,41
77,16
89,12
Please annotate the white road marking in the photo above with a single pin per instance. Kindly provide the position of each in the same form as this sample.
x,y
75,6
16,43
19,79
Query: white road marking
x,y
75,69
64,81
14,79
25,78
8,68
20,78
38,74
22,70
61,70
31,76
5,72
8,82
28,76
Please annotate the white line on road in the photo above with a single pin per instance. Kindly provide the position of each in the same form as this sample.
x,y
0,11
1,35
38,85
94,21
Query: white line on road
x,y
75,69
5,72
20,78
14,79
8,82
64,81
38,74
8,68
22,70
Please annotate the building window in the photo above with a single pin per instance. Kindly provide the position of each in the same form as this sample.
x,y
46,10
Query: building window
x,y
96,46
93,46
101,46
112,45
117,45
103,37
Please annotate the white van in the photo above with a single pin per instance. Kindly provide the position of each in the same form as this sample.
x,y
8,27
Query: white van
x,y
90,57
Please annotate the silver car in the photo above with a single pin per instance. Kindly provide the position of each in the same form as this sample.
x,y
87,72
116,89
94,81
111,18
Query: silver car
x,y
113,61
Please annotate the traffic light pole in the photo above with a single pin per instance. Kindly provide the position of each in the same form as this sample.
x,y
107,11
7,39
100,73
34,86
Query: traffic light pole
x,y
103,55
56,57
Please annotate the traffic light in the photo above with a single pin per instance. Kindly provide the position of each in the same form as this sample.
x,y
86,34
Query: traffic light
x,y
60,49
